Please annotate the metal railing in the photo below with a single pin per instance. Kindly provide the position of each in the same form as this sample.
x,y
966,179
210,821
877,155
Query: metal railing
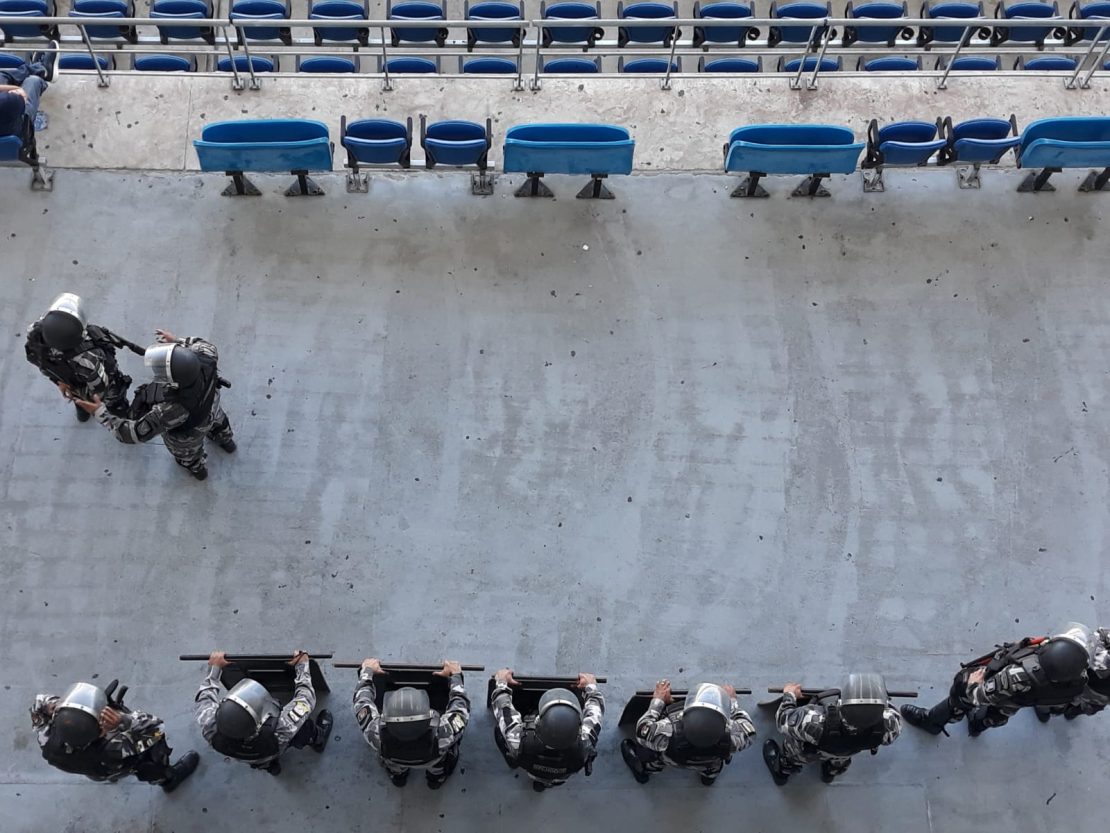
x,y
826,40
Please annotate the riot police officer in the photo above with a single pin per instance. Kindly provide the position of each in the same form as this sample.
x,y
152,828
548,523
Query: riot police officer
x,y
407,733
182,405
557,741
78,357
831,729
702,734
1036,671
87,732
251,726
1096,695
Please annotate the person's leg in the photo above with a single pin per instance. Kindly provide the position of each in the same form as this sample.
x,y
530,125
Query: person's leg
x,y
15,76
187,448
115,397
154,767
33,87
832,767
641,760
305,736
220,432
441,770
399,775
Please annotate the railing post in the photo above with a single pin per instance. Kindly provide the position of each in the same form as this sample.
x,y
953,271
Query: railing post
x,y
518,85
255,83
942,84
666,85
236,81
387,86
1102,56
102,79
539,40
826,35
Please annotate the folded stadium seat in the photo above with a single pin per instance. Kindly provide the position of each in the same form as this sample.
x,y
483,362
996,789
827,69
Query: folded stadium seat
x,y
339,10
236,148
879,10
947,10
657,66
487,66
22,148
1066,142
374,142
29,9
1098,13
827,65
972,63
647,34
1026,10
459,144
815,150
977,142
327,63
259,63
165,63
903,144
415,10
411,65
894,63
85,62
796,10
730,65
495,11
183,10
1047,63
600,150
587,34
106,9
722,34
262,10
570,66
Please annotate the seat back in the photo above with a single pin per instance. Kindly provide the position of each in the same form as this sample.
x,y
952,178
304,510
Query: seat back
x,y
646,11
793,149
572,66
809,64
29,9
337,10
455,143
104,9
1099,14
951,9
264,145
568,149
259,63
488,66
326,63
412,66
890,64
260,10
165,63
656,66
493,11
878,10
10,147
1047,63
377,141
974,63
802,10
415,10
570,11
730,65
85,62
721,11
183,10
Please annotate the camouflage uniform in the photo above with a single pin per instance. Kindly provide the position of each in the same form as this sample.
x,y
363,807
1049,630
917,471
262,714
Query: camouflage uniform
x,y
1096,695
137,746
449,730
294,725
655,729
165,418
510,726
90,370
802,728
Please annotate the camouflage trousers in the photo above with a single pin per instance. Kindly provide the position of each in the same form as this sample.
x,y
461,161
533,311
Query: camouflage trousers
x,y
795,755
436,772
187,445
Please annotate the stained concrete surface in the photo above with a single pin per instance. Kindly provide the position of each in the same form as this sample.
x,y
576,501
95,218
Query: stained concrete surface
x,y
674,434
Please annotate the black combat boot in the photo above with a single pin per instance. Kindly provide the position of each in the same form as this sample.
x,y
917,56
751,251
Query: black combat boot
x,y
772,756
919,717
827,773
200,474
399,779
1044,713
538,787
274,767
324,721
82,414
707,781
228,445
184,767
628,752
976,725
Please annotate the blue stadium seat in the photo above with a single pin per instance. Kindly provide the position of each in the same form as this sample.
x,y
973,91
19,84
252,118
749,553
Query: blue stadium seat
x,y
656,66
721,34
1098,13
1025,10
1066,142
183,10
106,9
599,150
262,10
459,144
29,9
876,10
260,63
262,145
327,63
730,65
421,10
165,63
827,65
488,66
972,63
893,63
977,142
902,144
493,10
813,150
802,10
947,10
411,65
22,148
373,142
85,62
1047,63
8,61
646,34
570,66
571,11
339,10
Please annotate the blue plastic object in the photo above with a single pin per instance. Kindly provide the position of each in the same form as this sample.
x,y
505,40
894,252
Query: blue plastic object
x,y
571,66
982,141
416,10
182,10
85,62
951,9
10,61
264,145
260,10
590,149
165,63
907,143
377,141
1028,10
103,9
801,10
1067,142
731,65
657,66
877,11
412,66
1099,14
489,66
646,34
29,9
326,63
793,149
337,10
892,64
493,11
976,63
827,65
258,62
1049,63
721,34
570,34
10,146
455,143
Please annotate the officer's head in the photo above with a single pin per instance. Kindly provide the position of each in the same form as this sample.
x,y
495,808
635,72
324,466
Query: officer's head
x,y
863,700
705,715
172,364
406,713
243,712
77,714
559,718
63,326
1066,655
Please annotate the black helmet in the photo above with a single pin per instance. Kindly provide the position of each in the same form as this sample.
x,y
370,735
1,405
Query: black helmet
x,y
172,364
406,713
76,728
703,728
559,719
234,721
61,330
1063,660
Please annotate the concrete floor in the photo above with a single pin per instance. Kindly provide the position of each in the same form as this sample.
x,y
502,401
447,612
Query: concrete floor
x,y
674,434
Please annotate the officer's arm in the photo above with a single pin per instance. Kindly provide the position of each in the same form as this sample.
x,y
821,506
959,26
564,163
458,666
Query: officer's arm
x,y
137,731
162,417
740,727
508,720
1000,689
591,714
297,710
207,701
366,710
892,725
802,723
200,345
456,716
43,710
652,730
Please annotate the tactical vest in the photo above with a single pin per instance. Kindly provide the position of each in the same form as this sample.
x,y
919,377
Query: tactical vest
x,y
147,395
89,761
1100,685
418,752
198,397
838,741
262,746
683,753
1044,692
546,763
56,363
